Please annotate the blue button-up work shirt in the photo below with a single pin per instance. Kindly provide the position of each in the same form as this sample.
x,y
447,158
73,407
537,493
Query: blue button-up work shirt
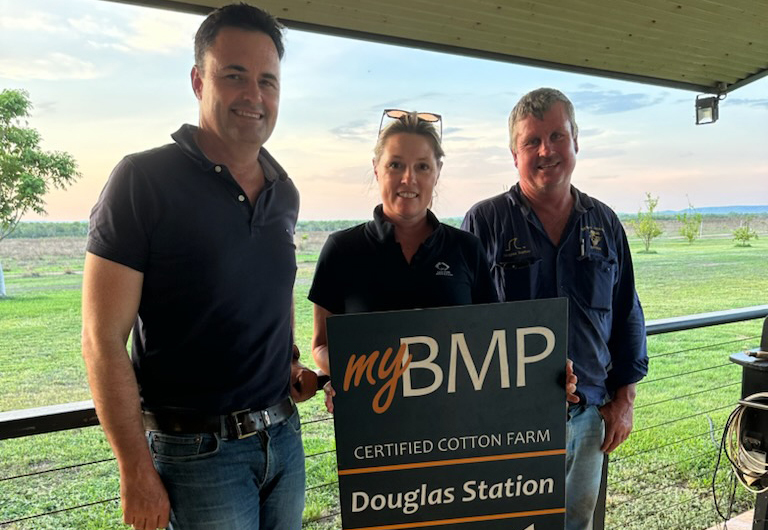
x,y
591,266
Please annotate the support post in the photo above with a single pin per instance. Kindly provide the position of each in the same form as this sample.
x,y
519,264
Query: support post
x,y
598,519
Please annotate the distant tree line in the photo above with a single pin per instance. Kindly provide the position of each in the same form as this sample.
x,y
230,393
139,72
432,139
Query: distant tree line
x,y
325,225
341,224
35,230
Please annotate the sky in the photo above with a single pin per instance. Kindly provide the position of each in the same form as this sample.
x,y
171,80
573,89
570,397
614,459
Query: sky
x,y
109,79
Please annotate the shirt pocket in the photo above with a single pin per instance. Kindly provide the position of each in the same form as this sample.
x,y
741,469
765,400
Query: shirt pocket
x,y
515,279
596,276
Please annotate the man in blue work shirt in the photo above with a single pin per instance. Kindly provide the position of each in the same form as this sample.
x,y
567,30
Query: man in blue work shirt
x,y
545,239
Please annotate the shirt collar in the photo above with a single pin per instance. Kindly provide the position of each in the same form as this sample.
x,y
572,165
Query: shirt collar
x,y
581,201
185,139
384,229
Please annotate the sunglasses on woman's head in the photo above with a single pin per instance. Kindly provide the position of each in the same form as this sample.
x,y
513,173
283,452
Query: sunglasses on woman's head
x,y
398,114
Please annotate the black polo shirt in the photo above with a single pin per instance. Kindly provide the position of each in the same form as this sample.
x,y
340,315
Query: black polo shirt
x,y
213,332
363,269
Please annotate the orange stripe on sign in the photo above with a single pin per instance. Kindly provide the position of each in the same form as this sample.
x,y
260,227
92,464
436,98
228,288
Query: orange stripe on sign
x,y
442,463
459,520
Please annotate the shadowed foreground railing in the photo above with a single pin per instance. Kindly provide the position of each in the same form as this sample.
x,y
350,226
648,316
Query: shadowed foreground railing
x,y
656,480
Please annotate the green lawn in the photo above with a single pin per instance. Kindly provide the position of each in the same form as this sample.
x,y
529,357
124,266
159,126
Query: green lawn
x,y
41,365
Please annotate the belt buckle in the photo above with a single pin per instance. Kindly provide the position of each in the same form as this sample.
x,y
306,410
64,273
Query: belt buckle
x,y
239,424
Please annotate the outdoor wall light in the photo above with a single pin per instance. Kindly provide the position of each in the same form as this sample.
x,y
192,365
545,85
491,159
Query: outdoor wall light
x,y
706,109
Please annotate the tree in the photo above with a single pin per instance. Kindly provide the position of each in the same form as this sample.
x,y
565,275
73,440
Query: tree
x,y
690,227
744,233
26,171
646,227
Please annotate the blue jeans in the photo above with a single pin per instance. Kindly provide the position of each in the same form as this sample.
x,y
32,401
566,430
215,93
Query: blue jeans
x,y
249,484
583,465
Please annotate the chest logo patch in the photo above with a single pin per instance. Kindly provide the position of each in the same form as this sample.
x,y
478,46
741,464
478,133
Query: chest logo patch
x,y
512,245
514,248
443,269
595,237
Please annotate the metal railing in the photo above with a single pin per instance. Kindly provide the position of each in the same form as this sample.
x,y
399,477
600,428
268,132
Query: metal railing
x,y
665,476
628,487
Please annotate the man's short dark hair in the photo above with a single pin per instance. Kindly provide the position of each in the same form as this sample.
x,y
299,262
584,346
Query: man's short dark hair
x,y
241,16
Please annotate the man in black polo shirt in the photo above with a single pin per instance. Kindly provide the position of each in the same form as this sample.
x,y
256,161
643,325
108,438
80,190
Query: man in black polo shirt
x,y
191,247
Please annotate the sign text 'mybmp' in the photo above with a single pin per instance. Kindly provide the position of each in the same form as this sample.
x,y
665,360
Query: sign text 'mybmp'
x,y
390,369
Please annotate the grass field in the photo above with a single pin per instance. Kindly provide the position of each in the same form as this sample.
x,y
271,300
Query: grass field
x,y
41,365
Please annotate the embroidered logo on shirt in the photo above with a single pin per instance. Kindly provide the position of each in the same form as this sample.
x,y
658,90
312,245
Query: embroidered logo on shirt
x,y
443,269
596,237
512,244
514,248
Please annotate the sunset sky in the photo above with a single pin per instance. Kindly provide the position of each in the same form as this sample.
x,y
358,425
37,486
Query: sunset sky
x,y
109,79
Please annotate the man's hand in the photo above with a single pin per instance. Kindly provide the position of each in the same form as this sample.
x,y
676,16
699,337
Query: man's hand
x,y
144,499
618,414
329,393
303,380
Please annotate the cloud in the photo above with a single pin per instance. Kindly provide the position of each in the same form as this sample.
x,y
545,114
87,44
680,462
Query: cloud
x,y
612,101
54,66
358,130
152,31
407,104
356,179
747,102
459,134
602,177
33,21
596,153
457,138
162,32
108,46
130,31
588,133
90,25
469,158
46,107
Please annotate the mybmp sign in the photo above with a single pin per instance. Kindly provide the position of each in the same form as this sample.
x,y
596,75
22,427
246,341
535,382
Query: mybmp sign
x,y
451,417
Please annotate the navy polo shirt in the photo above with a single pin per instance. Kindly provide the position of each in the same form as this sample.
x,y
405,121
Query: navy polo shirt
x,y
363,269
591,266
213,332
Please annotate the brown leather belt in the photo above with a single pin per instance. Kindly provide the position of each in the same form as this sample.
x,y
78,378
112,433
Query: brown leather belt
x,y
233,426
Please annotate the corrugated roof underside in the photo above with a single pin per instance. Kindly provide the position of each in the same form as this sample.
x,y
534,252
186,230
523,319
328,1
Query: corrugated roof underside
x,y
691,42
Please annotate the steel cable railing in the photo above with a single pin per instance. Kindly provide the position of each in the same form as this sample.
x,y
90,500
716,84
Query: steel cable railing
x,y
683,396
613,482
57,511
663,477
54,469
702,348
662,485
682,418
